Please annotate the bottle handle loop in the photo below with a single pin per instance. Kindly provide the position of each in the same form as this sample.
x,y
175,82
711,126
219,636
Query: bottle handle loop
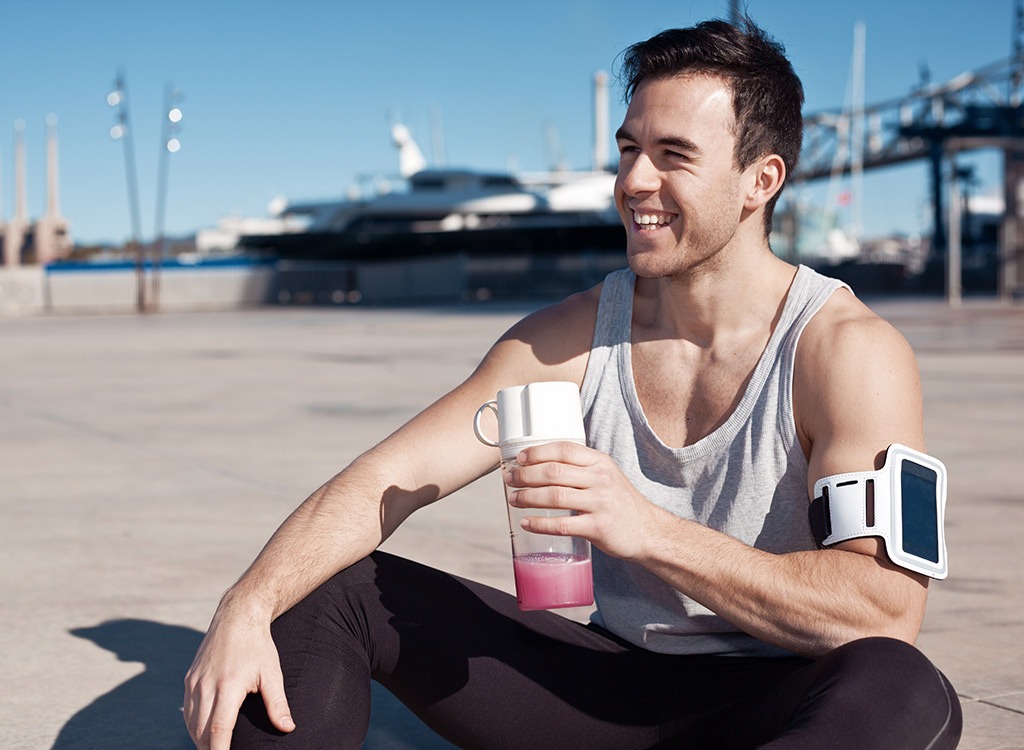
x,y
493,406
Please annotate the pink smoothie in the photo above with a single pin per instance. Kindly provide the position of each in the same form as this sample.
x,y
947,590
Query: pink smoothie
x,y
546,580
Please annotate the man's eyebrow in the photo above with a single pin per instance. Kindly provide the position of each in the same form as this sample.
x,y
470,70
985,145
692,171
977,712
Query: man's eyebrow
x,y
624,135
684,144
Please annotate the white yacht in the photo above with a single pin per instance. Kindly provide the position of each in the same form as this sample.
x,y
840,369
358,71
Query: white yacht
x,y
451,210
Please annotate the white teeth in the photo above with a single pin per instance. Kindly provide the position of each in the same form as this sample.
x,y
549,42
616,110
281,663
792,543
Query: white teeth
x,y
648,219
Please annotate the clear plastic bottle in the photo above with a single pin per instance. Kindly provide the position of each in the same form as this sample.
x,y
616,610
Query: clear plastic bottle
x,y
550,571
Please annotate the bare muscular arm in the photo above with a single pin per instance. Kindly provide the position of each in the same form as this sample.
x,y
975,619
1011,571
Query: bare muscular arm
x,y
856,392
433,455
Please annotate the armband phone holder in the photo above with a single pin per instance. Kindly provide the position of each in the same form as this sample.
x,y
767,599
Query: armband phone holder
x,y
904,503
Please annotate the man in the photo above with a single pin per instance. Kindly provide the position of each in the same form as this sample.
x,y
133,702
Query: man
x,y
719,623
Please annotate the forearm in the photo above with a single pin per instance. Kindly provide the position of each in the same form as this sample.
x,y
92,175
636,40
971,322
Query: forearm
x,y
806,602
339,524
349,516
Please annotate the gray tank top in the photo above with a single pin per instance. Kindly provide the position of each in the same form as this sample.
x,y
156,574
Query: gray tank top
x,y
747,479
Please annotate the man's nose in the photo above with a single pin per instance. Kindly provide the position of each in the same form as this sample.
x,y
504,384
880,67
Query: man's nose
x,y
640,176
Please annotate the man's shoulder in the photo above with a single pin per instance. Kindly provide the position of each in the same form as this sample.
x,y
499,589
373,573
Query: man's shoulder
x,y
575,315
850,358
856,388
847,329
552,343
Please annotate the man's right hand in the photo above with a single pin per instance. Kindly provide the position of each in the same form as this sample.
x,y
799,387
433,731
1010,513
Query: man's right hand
x,y
232,661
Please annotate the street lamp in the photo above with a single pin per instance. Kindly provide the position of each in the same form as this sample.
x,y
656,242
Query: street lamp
x,y
118,98
169,144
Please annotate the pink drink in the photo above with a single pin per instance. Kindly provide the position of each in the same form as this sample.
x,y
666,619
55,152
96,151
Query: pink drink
x,y
546,580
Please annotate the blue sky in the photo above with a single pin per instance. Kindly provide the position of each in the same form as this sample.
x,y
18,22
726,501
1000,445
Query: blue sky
x,y
294,98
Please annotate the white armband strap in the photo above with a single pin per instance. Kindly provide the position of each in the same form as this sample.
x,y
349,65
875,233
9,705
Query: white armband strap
x,y
904,503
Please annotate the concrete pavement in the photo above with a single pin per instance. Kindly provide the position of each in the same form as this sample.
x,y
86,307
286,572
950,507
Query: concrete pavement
x,y
145,460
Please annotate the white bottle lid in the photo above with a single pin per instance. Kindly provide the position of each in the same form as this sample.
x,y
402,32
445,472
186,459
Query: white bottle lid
x,y
532,414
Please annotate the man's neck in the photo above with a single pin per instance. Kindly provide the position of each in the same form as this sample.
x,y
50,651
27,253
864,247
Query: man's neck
x,y
736,295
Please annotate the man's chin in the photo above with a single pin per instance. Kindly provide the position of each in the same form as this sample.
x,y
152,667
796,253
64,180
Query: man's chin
x,y
646,265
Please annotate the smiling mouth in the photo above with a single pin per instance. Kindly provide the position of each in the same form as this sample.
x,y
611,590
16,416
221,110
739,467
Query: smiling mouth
x,y
652,220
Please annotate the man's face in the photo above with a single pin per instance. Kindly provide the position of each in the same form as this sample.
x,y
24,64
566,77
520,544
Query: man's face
x,y
678,189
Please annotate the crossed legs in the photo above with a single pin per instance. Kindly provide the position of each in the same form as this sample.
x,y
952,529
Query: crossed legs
x,y
485,675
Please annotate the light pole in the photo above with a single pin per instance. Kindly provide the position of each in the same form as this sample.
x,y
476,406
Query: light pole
x,y
118,98
169,144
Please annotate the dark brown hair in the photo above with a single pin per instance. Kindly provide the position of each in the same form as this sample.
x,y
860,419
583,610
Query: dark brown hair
x,y
767,95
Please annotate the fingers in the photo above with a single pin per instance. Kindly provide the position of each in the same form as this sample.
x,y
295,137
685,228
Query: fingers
x,y
222,721
188,707
210,716
274,699
559,475
560,525
211,722
549,475
197,707
550,498
562,452
211,711
562,463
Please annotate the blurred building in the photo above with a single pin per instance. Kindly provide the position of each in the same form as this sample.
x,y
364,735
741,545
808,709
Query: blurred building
x,y
47,238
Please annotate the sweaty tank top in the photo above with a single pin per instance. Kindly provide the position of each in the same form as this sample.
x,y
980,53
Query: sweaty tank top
x,y
747,479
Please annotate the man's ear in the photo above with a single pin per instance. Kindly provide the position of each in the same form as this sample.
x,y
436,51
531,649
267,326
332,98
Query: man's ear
x,y
768,173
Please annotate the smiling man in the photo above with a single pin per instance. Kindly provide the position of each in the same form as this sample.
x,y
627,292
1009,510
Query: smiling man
x,y
721,387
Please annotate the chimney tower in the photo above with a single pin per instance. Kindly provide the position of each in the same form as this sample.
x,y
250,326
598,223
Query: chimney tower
x,y
600,121
3,219
14,236
51,238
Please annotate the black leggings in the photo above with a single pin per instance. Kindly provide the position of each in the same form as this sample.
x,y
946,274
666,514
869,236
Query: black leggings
x,y
484,675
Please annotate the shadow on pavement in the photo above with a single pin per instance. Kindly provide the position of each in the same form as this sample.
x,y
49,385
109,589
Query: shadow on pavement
x,y
145,711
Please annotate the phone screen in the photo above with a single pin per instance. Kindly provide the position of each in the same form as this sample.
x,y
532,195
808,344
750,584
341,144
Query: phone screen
x,y
919,491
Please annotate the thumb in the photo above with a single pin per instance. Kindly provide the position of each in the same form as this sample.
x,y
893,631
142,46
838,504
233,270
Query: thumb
x,y
272,688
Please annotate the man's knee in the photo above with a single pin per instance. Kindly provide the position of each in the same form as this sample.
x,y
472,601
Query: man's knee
x,y
887,662
338,604
888,678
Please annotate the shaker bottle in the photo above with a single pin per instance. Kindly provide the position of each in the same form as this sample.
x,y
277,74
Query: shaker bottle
x,y
550,571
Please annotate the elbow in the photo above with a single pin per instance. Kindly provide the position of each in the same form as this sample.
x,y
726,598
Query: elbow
x,y
895,611
894,632
900,617
904,629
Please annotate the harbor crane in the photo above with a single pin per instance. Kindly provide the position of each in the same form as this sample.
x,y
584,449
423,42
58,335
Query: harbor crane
x,y
979,109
